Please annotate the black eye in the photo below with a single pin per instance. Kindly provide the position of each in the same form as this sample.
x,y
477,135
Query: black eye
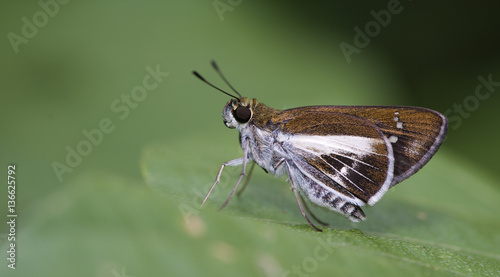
x,y
242,114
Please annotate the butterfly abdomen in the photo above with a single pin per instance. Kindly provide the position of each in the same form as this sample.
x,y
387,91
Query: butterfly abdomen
x,y
326,198
354,213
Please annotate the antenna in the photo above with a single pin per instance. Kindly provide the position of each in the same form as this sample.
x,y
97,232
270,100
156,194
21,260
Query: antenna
x,y
214,65
210,84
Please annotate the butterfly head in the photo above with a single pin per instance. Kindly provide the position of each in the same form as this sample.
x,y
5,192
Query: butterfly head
x,y
238,112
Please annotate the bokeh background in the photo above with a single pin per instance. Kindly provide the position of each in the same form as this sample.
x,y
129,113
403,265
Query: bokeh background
x,y
65,65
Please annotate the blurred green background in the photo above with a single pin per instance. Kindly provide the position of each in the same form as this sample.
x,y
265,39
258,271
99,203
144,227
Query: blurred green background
x,y
67,67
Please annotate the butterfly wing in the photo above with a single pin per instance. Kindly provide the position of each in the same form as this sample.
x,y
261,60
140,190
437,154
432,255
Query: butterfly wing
x,y
345,154
415,133
363,150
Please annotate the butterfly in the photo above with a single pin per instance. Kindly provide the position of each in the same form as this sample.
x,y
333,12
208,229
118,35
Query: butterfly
x,y
338,157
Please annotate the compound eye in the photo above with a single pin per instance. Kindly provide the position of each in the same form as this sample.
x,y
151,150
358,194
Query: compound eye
x,y
242,114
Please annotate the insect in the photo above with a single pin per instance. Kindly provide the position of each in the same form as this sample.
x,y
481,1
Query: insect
x,y
338,157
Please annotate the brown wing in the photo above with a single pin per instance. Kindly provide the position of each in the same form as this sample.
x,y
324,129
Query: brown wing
x,y
415,133
344,152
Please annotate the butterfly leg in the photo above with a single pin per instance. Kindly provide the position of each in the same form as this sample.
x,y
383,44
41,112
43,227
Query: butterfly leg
x,y
246,181
294,188
244,162
311,213
235,162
